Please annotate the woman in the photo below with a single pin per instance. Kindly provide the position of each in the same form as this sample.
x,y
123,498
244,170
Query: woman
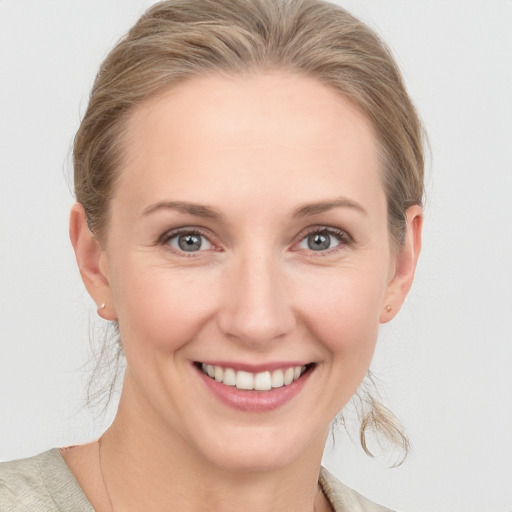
x,y
249,179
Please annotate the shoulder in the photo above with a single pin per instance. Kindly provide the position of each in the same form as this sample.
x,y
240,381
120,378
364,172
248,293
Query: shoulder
x,y
42,483
343,498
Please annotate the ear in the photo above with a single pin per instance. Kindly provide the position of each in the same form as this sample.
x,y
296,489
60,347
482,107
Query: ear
x,y
92,262
405,265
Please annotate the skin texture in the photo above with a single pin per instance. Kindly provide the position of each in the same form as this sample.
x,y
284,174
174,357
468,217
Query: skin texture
x,y
258,152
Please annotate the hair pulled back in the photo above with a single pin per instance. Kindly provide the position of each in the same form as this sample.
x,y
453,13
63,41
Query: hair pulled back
x,y
180,39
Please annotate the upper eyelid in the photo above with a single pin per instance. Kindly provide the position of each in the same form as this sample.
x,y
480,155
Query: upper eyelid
x,y
171,233
328,229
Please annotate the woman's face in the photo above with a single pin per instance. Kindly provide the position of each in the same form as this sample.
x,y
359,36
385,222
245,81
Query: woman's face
x,y
248,232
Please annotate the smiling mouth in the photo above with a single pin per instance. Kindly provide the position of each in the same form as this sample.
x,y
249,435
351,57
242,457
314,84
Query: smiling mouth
x,y
261,381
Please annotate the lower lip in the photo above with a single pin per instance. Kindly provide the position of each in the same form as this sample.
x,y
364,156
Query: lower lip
x,y
255,401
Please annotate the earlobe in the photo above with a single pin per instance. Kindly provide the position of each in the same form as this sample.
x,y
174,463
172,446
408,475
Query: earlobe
x,y
91,262
406,261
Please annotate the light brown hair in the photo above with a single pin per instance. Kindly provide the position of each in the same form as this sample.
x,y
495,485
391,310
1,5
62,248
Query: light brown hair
x,y
179,39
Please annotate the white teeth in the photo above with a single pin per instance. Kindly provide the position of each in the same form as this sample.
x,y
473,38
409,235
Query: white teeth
x,y
288,376
263,381
219,373
244,380
277,378
229,377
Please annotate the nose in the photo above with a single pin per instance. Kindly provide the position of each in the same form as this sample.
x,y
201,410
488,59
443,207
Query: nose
x,y
256,307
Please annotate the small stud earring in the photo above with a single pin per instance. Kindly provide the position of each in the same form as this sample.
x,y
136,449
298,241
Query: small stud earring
x,y
101,310
388,308
103,313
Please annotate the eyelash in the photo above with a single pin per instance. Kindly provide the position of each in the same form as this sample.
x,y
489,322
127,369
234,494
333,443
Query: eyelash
x,y
344,239
169,235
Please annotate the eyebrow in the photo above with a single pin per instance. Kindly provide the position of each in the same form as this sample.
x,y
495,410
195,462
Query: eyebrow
x,y
201,210
323,206
198,210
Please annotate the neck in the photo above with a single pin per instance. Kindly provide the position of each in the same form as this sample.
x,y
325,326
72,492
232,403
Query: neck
x,y
147,466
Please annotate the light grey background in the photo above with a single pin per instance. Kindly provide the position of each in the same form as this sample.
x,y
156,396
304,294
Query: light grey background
x,y
444,364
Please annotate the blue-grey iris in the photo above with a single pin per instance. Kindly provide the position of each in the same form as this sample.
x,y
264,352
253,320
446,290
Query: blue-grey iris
x,y
319,241
190,243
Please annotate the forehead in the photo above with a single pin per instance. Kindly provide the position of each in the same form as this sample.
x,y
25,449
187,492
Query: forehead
x,y
273,130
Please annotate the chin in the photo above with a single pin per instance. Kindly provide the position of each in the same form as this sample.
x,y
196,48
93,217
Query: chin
x,y
260,450
251,461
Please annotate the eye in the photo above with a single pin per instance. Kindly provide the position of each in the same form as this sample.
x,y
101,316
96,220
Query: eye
x,y
188,241
324,239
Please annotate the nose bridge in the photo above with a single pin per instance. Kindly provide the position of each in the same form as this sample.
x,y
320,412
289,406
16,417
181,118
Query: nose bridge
x,y
257,307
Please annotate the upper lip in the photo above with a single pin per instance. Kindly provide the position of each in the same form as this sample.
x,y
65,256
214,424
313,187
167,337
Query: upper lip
x,y
256,368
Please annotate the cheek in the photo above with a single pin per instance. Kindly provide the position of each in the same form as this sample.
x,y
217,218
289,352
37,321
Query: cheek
x,y
343,310
340,311
162,310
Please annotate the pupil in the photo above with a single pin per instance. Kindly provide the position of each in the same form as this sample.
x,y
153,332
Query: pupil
x,y
319,242
189,243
